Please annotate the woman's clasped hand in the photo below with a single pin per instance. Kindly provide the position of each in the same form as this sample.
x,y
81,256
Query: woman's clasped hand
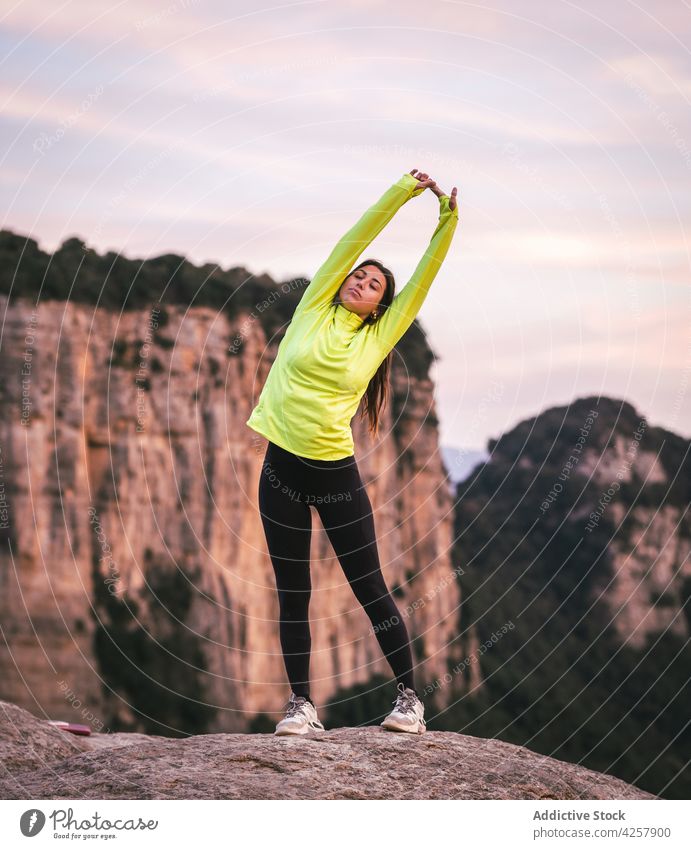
x,y
426,182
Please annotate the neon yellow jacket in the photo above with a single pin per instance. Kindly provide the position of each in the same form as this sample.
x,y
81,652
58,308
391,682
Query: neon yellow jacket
x,y
328,354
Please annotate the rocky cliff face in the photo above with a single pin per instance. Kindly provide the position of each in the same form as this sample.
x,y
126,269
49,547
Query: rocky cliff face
x,y
637,481
650,549
137,592
617,490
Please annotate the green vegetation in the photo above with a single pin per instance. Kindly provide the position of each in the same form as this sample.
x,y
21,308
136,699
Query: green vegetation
x,y
112,281
146,654
362,704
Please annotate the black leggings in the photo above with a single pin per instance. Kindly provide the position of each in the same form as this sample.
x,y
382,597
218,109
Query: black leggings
x,y
288,485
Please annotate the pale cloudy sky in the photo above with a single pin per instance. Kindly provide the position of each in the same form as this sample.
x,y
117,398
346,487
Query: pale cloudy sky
x,y
256,135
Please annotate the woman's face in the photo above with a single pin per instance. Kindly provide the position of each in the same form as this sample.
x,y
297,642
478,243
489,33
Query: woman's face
x,y
362,290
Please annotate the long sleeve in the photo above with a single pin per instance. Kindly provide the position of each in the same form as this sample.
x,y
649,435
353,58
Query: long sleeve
x,y
330,275
398,317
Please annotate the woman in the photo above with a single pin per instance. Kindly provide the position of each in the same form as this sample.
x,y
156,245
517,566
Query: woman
x,y
335,350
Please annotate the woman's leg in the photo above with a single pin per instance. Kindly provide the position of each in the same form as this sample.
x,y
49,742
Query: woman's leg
x,y
287,522
349,524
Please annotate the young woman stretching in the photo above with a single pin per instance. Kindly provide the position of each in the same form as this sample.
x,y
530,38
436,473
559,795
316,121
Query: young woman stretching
x,y
337,349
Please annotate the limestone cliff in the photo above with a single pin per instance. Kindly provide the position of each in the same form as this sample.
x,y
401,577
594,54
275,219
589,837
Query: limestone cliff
x,y
574,537
603,467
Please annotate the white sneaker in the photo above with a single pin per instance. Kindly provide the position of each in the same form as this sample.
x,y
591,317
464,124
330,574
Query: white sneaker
x,y
408,712
300,718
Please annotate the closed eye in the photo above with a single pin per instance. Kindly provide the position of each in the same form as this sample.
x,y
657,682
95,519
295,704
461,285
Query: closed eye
x,y
375,284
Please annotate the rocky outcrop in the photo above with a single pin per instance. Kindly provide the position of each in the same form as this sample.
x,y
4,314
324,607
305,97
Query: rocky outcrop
x,y
650,549
599,468
340,763
137,592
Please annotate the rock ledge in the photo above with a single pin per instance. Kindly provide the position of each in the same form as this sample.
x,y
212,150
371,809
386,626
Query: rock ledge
x,y
43,762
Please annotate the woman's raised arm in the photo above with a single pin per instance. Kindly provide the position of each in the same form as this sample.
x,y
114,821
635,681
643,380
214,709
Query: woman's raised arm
x,y
398,317
328,278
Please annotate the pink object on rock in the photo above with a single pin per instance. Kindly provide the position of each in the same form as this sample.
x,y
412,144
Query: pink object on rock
x,y
73,727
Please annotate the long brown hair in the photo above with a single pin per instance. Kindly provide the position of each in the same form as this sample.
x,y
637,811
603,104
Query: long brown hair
x,y
377,391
